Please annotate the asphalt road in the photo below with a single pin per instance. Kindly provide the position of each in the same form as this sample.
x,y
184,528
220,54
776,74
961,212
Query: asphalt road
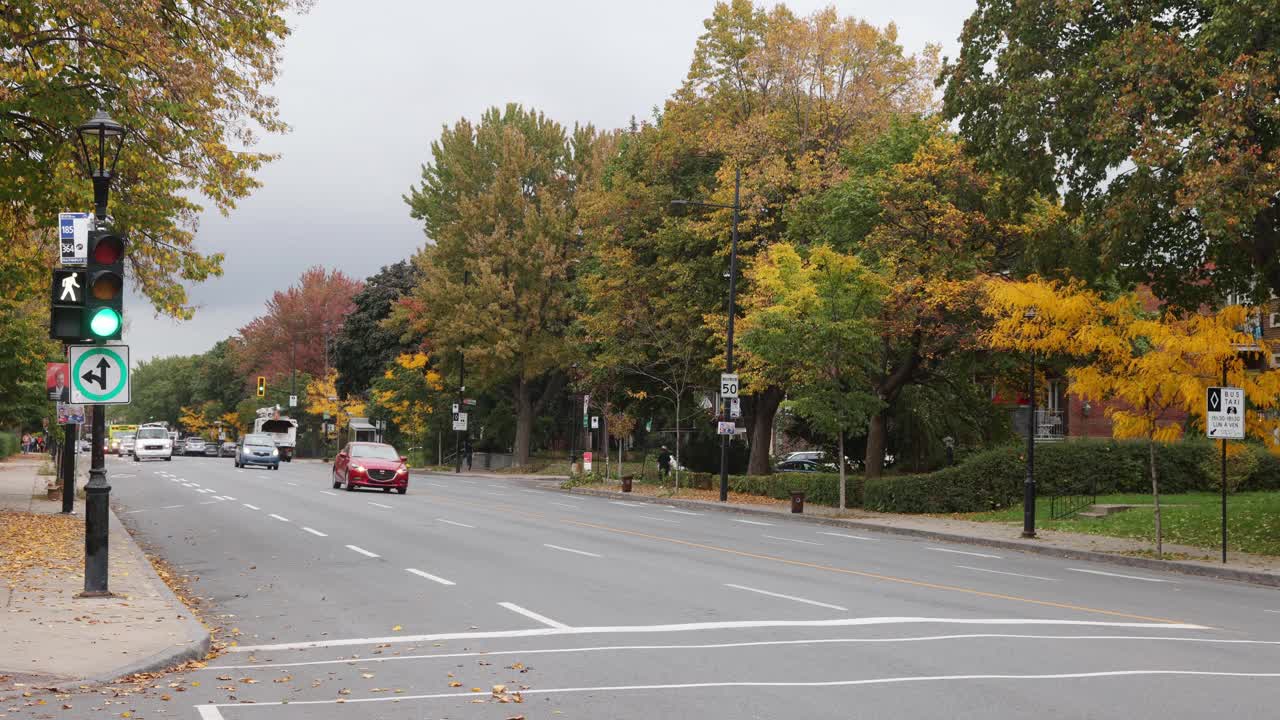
x,y
373,605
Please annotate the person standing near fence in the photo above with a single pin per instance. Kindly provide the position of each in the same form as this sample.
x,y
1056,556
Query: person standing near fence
x,y
664,463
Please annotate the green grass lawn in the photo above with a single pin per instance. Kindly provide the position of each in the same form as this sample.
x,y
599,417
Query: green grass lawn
x,y
1253,520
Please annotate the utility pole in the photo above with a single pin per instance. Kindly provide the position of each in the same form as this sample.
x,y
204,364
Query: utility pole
x,y
462,388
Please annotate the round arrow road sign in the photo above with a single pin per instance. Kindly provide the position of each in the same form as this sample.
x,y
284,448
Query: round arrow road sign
x,y
100,374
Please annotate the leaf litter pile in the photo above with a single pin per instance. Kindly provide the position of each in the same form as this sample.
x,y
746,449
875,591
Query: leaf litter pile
x,y
39,543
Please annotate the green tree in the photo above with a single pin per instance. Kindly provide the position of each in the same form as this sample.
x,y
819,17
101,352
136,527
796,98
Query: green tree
x,y
363,347
498,202
817,318
1156,120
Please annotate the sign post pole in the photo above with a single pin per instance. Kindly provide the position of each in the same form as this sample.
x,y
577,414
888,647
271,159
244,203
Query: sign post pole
x,y
1224,419
1224,480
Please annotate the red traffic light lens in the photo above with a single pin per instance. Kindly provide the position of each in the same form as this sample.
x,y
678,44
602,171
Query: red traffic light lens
x,y
108,250
106,286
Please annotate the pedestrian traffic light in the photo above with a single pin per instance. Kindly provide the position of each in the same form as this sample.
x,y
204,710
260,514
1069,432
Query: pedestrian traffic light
x,y
66,308
103,316
262,386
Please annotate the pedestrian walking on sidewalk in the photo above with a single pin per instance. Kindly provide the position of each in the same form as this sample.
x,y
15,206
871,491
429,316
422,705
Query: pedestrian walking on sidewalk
x,y
26,442
466,452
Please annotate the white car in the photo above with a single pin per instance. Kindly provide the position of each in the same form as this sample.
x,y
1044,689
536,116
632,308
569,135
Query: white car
x,y
152,443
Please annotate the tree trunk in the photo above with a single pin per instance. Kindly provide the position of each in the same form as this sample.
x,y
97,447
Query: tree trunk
x,y
524,423
840,459
874,459
1155,494
675,471
766,407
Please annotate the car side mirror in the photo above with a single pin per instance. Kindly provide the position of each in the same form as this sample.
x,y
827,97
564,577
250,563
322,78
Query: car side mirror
x,y
342,454
404,459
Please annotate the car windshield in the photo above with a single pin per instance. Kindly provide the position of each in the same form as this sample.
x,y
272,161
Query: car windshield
x,y
259,440
153,434
376,452
126,437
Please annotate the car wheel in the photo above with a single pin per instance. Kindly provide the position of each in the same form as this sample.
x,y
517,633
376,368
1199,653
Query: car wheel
x,y
169,459
276,466
402,490
350,487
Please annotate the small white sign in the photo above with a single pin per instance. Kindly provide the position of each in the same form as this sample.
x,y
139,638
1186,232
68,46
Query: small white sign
x,y
728,385
456,409
726,428
460,421
595,422
293,401
99,374
1224,416
73,236
735,408
586,461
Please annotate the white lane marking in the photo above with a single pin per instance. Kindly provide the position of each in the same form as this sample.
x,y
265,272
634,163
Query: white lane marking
x,y
362,551
846,535
326,492
208,502
552,624
786,597
758,643
565,505
206,490
628,504
381,505
751,522
219,497
683,512
1001,572
278,517
806,542
313,531
190,485
170,507
1272,611
292,483
964,552
228,497
566,497
655,517
251,507
565,549
782,684
208,712
438,484
1126,577
455,523
429,576
130,512
718,625
174,479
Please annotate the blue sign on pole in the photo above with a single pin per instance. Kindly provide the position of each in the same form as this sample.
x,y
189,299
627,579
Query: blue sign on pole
x,y
73,234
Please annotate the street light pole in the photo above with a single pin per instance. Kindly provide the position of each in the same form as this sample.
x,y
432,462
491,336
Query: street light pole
x,y
462,389
1029,485
100,132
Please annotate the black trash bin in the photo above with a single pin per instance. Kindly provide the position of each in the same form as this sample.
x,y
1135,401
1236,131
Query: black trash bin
x,y
797,501
626,483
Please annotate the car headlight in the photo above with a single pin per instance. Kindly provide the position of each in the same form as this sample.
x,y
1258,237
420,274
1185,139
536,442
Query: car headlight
x,y
403,469
275,451
358,468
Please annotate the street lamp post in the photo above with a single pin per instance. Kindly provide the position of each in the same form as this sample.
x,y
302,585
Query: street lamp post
x,y
100,141
723,409
1029,485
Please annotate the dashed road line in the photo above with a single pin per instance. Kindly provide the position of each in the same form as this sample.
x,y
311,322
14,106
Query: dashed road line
x,y
846,535
1002,572
534,616
571,550
683,512
806,601
662,519
1126,577
362,551
964,552
787,539
751,522
455,523
429,576
315,532
278,517
251,507
381,505
565,505
170,507
628,504
326,492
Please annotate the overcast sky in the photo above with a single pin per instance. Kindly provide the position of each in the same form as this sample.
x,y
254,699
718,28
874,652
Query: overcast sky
x,y
366,86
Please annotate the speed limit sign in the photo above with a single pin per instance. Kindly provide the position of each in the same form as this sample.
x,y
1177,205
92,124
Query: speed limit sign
x,y
728,385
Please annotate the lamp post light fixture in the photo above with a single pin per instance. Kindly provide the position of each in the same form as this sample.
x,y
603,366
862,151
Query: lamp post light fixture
x,y
100,139
723,410
1029,485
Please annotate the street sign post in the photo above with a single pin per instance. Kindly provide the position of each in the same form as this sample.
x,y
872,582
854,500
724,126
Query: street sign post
x,y
99,374
735,408
726,428
460,421
728,385
73,236
1224,416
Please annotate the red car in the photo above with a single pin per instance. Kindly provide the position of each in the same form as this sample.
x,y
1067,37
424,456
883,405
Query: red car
x,y
371,465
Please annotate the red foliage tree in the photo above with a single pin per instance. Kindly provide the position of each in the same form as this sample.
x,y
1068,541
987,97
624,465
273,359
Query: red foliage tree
x,y
299,326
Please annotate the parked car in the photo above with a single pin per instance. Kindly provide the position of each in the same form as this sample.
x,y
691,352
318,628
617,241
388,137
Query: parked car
x,y
256,449
372,465
152,443
180,446
193,446
803,465
212,449
228,448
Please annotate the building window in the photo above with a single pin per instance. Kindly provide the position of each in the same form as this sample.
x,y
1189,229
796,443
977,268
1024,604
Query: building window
x,y
1275,360
1275,320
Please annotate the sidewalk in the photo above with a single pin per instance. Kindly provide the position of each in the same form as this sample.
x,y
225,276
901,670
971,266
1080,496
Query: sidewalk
x,y
49,635
1257,569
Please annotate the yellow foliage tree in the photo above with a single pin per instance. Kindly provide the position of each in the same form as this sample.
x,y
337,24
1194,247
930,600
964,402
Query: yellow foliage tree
x,y
408,390
1150,366
193,419
319,394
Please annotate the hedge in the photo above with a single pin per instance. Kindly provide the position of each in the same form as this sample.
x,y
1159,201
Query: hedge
x,y
819,488
993,479
9,444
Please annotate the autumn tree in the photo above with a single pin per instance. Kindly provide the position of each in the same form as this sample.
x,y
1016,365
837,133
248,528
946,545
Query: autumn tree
x,y
363,346
1156,121
497,202
322,397
817,319
410,393
298,329
1150,367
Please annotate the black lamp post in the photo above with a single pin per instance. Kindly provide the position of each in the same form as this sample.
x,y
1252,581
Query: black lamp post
x,y
736,207
1029,485
100,141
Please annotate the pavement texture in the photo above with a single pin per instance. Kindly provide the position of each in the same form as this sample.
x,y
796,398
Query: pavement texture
x,y
1244,567
51,637
475,597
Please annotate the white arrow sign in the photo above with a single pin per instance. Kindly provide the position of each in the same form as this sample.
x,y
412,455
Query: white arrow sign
x,y
99,374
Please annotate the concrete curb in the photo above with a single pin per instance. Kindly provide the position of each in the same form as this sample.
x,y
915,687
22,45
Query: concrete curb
x,y
1246,576
193,647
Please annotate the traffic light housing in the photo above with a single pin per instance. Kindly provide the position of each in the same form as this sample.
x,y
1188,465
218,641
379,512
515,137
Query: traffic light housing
x,y
66,305
262,386
103,315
